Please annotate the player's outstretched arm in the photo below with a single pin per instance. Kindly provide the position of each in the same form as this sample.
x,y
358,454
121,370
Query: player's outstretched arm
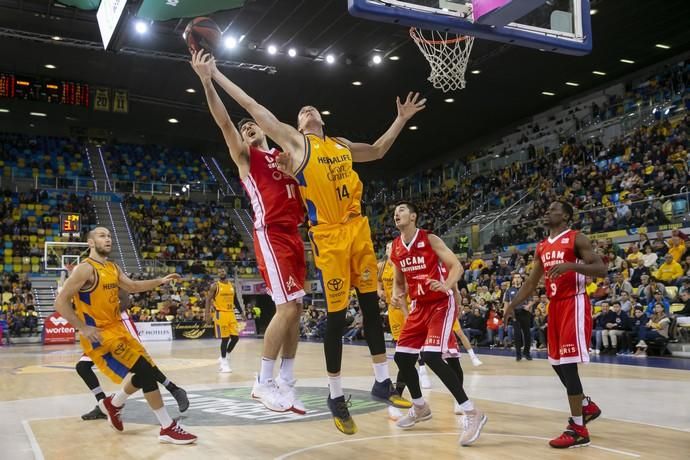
x,y
204,65
593,265
450,261
289,139
132,286
363,152
63,304
527,288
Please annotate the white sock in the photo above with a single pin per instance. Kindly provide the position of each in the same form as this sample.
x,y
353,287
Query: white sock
x,y
418,401
287,366
166,383
335,387
422,369
381,371
97,390
163,417
266,373
585,402
119,398
467,406
471,353
577,420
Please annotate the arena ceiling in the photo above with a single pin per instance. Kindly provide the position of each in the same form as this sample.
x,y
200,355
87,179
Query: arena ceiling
x,y
508,89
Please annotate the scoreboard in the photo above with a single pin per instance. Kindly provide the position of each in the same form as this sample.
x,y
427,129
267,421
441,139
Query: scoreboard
x,y
70,223
44,90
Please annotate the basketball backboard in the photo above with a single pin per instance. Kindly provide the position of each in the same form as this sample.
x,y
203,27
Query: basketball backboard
x,y
58,255
561,26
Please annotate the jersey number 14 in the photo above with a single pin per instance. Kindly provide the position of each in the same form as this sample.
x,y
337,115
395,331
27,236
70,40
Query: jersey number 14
x,y
342,192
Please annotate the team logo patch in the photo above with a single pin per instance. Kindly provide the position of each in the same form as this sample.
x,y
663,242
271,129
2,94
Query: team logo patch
x,y
565,240
290,284
335,284
420,244
234,406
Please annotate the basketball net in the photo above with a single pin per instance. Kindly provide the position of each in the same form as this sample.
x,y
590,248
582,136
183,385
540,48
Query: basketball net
x,y
447,54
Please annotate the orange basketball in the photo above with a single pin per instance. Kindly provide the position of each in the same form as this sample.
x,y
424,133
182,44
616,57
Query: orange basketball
x,y
202,34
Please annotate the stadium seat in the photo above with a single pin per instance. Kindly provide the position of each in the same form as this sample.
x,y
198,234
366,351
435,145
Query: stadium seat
x,y
672,292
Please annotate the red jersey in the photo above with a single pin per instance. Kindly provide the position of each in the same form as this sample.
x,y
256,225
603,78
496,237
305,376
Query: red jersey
x,y
419,263
558,250
274,196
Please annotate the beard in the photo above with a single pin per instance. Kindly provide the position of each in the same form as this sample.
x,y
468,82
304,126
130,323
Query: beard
x,y
102,252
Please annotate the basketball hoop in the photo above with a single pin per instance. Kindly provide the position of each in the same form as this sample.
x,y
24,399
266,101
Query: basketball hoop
x,y
447,54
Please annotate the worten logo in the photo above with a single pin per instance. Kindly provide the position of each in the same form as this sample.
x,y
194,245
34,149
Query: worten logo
x,y
335,284
234,406
59,321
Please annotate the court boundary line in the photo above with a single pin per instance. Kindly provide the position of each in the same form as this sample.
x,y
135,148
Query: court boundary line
x,y
35,446
412,435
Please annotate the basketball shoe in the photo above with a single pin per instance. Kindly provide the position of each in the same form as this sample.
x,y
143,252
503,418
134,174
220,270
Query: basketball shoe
x,y
270,396
112,412
573,436
590,411
385,391
472,425
95,414
476,362
414,415
341,414
289,393
175,434
224,365
181,397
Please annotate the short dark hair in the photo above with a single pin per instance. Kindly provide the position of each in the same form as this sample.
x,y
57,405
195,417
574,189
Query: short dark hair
x,y
243,122
567,208
411,207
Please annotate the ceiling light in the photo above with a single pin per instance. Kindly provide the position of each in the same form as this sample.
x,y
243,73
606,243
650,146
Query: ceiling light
x,y
57,38
593,11
4,110
191,90
50,66
394,58
414,128
662,46
173,120
357,83
449,100
627,61
292,52
330,59
325,112
230,42
38,114
376,59
572,83
141,27
476,72
599,72
272,49
548,93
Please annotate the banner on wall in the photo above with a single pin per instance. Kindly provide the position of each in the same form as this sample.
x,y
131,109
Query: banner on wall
x,y
163,10
154,332
56,330
247,327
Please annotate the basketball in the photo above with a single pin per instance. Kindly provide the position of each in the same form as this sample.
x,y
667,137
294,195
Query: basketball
x,y
202,34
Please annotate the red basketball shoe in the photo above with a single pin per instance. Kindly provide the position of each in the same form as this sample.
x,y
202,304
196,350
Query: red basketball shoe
x,y
573,436
112,411
175,434
591,411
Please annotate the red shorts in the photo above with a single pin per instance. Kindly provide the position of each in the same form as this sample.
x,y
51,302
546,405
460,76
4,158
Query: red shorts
x,y
569,329
280,256
430,328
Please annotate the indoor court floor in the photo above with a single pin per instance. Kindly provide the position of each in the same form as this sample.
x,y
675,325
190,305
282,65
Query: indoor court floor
x,y
646,410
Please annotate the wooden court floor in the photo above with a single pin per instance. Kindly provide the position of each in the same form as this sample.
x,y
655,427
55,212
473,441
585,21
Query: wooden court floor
x,y
646,410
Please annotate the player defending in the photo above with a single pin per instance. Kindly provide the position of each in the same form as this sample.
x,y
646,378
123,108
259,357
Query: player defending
x,y
93,287
565,258
84,368
278,244
418,257
339,233
221,297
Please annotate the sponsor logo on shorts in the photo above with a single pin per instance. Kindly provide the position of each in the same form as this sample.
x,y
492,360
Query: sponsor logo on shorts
x,y
366,274
290,284
335,284
234,406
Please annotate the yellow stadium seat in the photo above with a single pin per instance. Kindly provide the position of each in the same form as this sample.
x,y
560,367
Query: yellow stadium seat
x,y
672,292
35,268
596,309
17,268
675,307
8,252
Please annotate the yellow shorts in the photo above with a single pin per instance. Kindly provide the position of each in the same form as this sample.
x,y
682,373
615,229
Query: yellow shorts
x,y
225,324
345,256
116,353
396,320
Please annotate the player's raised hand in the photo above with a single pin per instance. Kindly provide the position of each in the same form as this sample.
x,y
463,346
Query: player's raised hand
x,y
284,162
173,277
412,105
204,65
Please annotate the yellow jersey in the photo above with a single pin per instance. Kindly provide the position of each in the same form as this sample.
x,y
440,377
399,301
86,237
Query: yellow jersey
x,y
387,279
330,188
99,305
224,300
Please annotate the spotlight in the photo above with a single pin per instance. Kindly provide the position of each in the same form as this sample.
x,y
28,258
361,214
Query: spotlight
x,y
141,27
292,52
272,49
330,59
230,42
376,59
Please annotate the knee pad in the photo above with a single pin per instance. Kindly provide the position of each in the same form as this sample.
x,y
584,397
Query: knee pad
x,y
404,359
144,376
84,367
